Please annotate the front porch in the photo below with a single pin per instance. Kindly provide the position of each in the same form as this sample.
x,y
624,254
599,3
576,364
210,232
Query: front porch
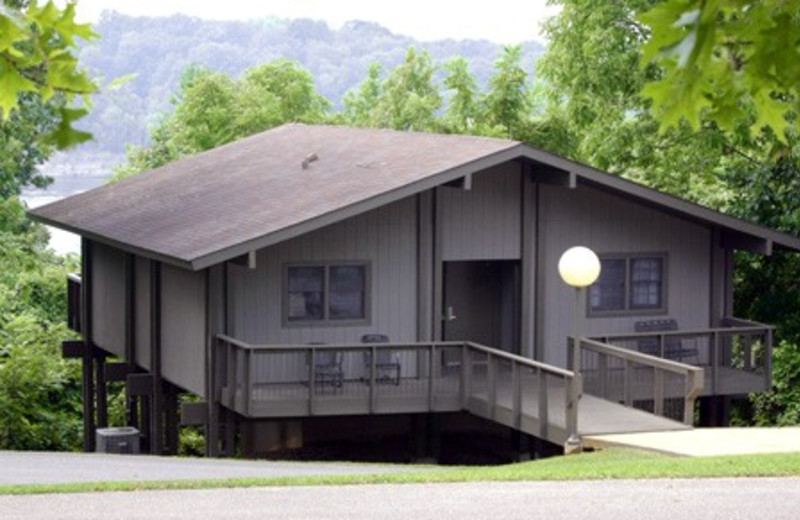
x,y
547,402
620,389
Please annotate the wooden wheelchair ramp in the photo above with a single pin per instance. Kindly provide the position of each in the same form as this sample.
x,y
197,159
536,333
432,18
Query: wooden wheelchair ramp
x,y
538,399
596,416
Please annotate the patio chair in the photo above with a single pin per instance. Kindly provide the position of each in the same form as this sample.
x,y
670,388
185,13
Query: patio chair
x,y
328,371
387,364
675,347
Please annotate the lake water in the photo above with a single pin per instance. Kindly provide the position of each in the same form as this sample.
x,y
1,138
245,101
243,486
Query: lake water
x,y
63,242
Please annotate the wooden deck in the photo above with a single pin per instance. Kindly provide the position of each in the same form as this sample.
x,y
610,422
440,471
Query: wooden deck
x,y
516,392
595,415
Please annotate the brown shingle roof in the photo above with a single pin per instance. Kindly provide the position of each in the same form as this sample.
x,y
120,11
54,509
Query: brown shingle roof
x,y
255,191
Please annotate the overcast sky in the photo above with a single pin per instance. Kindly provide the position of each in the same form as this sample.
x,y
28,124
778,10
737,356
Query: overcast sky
x,y
500,21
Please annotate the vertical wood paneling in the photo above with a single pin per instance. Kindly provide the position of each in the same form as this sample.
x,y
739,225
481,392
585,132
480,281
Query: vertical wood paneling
x,y
528,302
385,237
610,224
108,298
483,223
142,313
183,320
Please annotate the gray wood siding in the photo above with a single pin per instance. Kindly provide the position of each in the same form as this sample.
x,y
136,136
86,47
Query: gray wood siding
x,y
142,312
108,298
610,224
483,223
183,328
385,237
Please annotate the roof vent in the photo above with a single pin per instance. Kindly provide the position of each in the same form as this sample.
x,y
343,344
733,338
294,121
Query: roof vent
x,y
308,160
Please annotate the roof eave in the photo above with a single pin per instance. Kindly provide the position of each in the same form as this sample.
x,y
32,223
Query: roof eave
x,y
765,237
94,237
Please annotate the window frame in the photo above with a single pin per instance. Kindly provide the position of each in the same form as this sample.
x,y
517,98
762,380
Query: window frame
x,y
326,320
628,309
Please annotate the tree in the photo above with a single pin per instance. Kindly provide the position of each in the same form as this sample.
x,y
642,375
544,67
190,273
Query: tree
x,y
38,55
593,72
359,104
461,115
768,288
733,62
212,109
21,147
39,391
507,102
407,99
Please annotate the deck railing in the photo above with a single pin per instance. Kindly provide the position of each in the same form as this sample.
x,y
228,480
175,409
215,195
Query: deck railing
x,y
737,356
282,381
659,386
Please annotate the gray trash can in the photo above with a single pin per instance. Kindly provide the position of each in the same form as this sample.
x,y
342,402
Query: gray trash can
x,y
123,439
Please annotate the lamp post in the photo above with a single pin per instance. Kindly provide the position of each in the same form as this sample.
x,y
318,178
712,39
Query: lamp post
x,y
579,267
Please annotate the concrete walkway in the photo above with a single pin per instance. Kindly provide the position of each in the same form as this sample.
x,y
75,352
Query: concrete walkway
x,y
20,467
706,442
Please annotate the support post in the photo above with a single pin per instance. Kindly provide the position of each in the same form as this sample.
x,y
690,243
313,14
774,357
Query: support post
x,y
171,419
131,403
157,397
88,357
101,390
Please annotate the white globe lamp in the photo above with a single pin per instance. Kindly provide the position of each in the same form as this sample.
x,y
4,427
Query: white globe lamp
x,y
579,267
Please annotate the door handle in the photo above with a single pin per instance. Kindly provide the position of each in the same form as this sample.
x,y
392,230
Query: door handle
x,y
449,315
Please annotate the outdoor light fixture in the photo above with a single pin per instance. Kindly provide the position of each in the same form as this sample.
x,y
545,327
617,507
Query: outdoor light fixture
x,y
579,267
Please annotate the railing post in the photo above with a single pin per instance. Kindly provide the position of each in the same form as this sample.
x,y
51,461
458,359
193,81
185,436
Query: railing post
x,y
465,377
658,392
715,363
372,390
247,380
431,378
490,382
312,380
688,401
516,396
574,389
543,414
626,383
230,377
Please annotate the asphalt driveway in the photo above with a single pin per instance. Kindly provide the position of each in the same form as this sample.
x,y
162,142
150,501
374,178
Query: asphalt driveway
x,y
20,467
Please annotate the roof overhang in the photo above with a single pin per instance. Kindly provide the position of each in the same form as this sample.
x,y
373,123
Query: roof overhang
x,y
544,167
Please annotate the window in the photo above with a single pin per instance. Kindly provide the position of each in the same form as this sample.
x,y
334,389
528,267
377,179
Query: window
x,y
326,293
629,284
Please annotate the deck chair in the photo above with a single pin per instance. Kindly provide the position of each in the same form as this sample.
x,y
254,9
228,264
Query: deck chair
x,y
674,347
387,365
328,370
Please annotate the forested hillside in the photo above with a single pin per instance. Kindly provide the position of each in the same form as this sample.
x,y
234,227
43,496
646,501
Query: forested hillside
x,y
154,52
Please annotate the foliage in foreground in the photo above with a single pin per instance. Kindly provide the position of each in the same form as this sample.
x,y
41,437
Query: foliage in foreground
x,y
38,54
39,391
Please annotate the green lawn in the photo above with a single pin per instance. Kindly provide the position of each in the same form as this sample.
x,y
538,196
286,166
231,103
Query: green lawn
x,y
615,463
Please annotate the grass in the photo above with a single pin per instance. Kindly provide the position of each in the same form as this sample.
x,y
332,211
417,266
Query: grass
x,y
613,463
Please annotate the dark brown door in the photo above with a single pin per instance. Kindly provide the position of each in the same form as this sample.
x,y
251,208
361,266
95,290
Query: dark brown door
x,y
481,303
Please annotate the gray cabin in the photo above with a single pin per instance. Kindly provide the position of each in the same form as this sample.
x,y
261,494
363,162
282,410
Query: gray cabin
x,y
303,279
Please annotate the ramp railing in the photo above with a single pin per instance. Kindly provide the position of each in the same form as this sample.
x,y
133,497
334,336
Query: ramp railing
x,y
637,380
